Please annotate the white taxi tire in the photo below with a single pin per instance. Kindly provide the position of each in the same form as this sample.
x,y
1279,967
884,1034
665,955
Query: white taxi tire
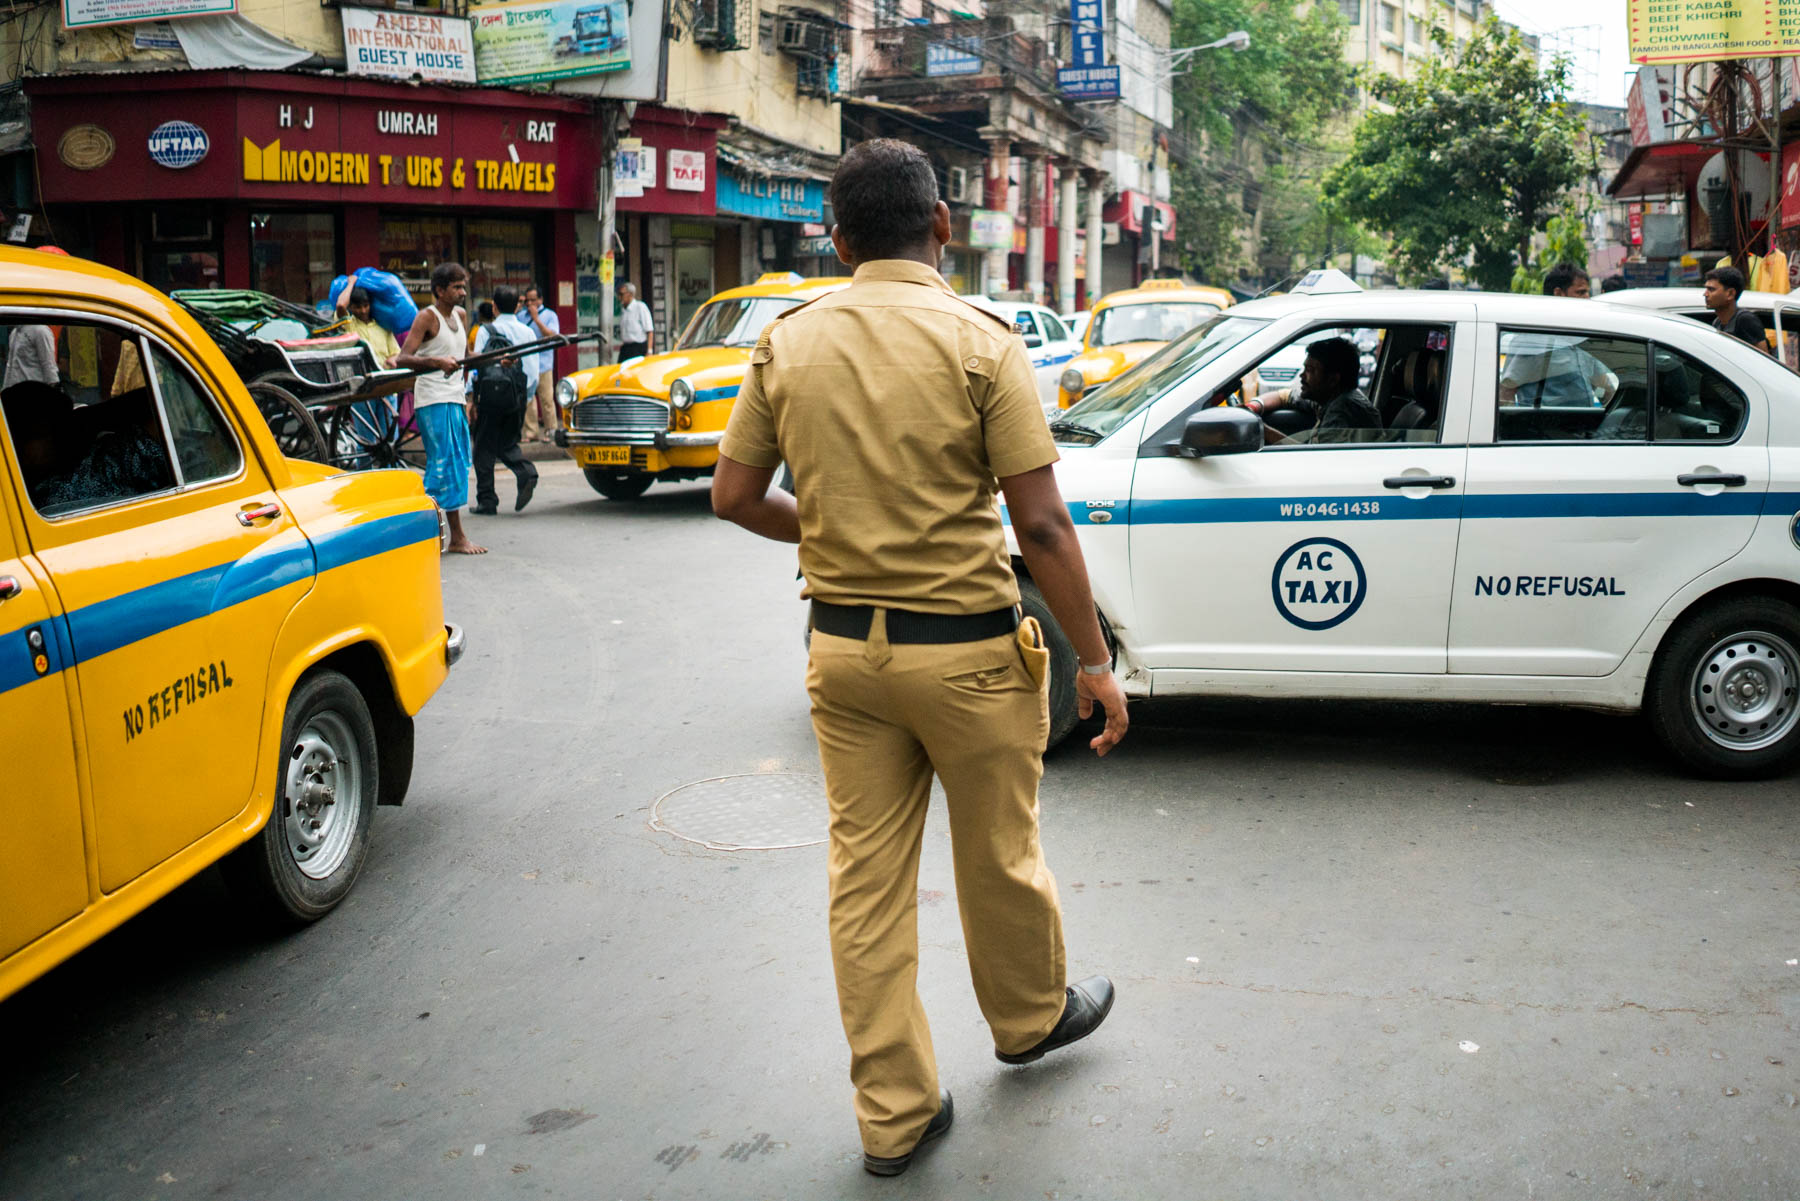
x,y
1724,693
1065,714
310,851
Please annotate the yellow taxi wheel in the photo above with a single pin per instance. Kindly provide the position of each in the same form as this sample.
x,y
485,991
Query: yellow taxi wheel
x,y
1063,665
313,846
617,485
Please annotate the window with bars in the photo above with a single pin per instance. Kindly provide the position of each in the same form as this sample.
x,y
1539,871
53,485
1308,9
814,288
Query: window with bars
x,y
722,24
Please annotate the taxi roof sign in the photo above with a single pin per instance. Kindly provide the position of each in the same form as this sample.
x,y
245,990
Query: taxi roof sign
x,y
1327,281
781,277
1152,285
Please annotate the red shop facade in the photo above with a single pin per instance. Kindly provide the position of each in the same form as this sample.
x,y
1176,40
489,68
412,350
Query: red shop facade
x,y
279,182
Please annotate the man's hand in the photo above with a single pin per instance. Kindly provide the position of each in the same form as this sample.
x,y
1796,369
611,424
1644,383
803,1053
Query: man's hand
x,y
447,365
1106,691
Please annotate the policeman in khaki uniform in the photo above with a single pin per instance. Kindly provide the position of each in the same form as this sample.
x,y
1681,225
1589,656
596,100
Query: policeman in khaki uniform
x,y
901,409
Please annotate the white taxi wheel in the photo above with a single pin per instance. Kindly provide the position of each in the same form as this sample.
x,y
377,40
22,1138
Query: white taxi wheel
x,y
614,485
1064,714
311,849
1724,695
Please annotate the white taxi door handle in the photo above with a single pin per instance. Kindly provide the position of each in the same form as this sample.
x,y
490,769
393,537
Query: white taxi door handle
x,y
1419,481
1693,479
263,512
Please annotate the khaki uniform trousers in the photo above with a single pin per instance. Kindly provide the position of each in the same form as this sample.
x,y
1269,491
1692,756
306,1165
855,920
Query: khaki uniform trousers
x,y
887,718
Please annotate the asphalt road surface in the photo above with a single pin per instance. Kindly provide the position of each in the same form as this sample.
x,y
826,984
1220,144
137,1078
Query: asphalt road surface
x,y
1361,951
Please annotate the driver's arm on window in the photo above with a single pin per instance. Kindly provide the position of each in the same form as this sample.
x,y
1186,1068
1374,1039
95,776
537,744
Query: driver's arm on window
x,y
1280,398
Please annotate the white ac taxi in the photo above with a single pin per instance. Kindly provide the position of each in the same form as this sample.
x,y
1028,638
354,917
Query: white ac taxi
x,y
1565,502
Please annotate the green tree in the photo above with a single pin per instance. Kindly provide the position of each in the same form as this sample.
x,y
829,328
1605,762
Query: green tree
x,y
1250,127
1565,241
1473,157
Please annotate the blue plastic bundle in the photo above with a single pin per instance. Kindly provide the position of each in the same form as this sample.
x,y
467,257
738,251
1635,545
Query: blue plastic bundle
x,y
389,302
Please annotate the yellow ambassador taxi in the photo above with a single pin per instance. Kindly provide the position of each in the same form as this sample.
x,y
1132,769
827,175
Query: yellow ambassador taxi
x,y
208,652
1131,325
661,417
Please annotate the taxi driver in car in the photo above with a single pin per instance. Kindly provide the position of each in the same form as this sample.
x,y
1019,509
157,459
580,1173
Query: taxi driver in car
x,y
1328,395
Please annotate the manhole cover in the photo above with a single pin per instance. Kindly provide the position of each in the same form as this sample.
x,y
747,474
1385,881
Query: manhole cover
x,y
769,812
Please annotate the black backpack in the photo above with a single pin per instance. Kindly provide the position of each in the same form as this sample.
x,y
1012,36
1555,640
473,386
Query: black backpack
x,y
499,387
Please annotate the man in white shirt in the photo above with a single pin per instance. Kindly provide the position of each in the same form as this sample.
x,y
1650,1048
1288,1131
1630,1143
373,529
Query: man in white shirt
x,y
30,355
541,321
500,393
636,331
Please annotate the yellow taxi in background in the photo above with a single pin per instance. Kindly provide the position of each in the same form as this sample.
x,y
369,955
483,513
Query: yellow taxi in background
x,y
208,653
1131,325
661,417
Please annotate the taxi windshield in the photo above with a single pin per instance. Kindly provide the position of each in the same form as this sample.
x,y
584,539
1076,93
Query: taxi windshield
x,y
737,322
1106,409
1160,322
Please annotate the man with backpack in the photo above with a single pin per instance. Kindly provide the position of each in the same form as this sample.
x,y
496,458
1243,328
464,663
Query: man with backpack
x,y
499,392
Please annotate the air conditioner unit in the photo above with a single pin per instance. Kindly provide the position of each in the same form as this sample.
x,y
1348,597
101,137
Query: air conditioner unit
x,y
798,35
958,185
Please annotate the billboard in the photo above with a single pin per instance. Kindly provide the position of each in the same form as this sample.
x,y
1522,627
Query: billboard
x,y
79,14
402,45
1696,31
534,41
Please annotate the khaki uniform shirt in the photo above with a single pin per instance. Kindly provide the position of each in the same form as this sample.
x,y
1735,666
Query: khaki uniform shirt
x,y
897,406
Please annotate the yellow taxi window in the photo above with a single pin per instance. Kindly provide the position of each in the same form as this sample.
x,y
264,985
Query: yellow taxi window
x,y
1163,321
204,446
737,322
80,415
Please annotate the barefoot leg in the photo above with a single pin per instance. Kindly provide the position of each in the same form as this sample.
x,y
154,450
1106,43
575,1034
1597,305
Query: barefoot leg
x,y
459,541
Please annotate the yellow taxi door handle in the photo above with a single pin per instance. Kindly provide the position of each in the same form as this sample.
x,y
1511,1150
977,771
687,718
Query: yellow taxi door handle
x,y
9,587
256,513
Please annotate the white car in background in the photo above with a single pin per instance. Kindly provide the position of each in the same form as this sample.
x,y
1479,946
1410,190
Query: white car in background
x,y
1779,312
1048,342
1077,323
1566,502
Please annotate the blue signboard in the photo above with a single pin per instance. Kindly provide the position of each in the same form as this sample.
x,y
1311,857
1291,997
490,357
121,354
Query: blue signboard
x,y
953,56
1088,83
773,198
1087,18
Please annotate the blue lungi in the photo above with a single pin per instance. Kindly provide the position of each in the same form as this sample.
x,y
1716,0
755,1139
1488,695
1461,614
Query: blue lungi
x,y
445,429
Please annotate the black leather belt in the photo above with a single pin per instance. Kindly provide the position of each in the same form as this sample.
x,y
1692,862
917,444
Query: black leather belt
x,y
904,626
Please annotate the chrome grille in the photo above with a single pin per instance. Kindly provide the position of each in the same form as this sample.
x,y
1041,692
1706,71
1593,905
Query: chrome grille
x,y
627,418
1277,375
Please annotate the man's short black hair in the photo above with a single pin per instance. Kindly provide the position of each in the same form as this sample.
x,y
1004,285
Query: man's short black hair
x,y
506,300
1728,277
1614,283
445,274
1338,356
1562,277
359,296
884,195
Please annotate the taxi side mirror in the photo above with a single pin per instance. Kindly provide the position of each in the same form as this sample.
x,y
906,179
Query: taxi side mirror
x,y
1220,431
1032,341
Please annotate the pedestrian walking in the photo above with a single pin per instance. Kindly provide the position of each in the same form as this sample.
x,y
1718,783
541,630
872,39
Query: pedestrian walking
x,y
542,322
900,410
436,344
636,330
500,393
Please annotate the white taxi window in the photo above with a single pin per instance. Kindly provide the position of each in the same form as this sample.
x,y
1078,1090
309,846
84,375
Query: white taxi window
x,y
1392,386
80,416
1024,324
1563,387
1590,388
1053,329
204,446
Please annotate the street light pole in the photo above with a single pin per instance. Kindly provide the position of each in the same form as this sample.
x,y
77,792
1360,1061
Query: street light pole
x,y
1237,40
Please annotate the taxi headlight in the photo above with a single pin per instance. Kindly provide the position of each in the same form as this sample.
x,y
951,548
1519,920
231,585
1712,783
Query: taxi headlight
x,y
565,394
1073,381
681,394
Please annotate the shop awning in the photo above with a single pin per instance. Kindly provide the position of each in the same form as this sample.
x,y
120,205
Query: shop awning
x,y
1661,169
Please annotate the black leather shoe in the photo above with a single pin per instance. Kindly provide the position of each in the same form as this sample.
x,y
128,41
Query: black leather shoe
x,y
1088,1004
526,488
936,1128
484,510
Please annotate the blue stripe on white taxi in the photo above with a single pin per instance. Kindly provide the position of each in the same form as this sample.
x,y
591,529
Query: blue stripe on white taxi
x,y
1566,502
1048,343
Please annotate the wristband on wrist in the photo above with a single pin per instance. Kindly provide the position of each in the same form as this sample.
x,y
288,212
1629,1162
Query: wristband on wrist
x,y
1096,669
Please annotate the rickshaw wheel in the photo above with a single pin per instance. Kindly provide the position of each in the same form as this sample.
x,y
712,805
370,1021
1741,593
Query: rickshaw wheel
x,y
296,433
